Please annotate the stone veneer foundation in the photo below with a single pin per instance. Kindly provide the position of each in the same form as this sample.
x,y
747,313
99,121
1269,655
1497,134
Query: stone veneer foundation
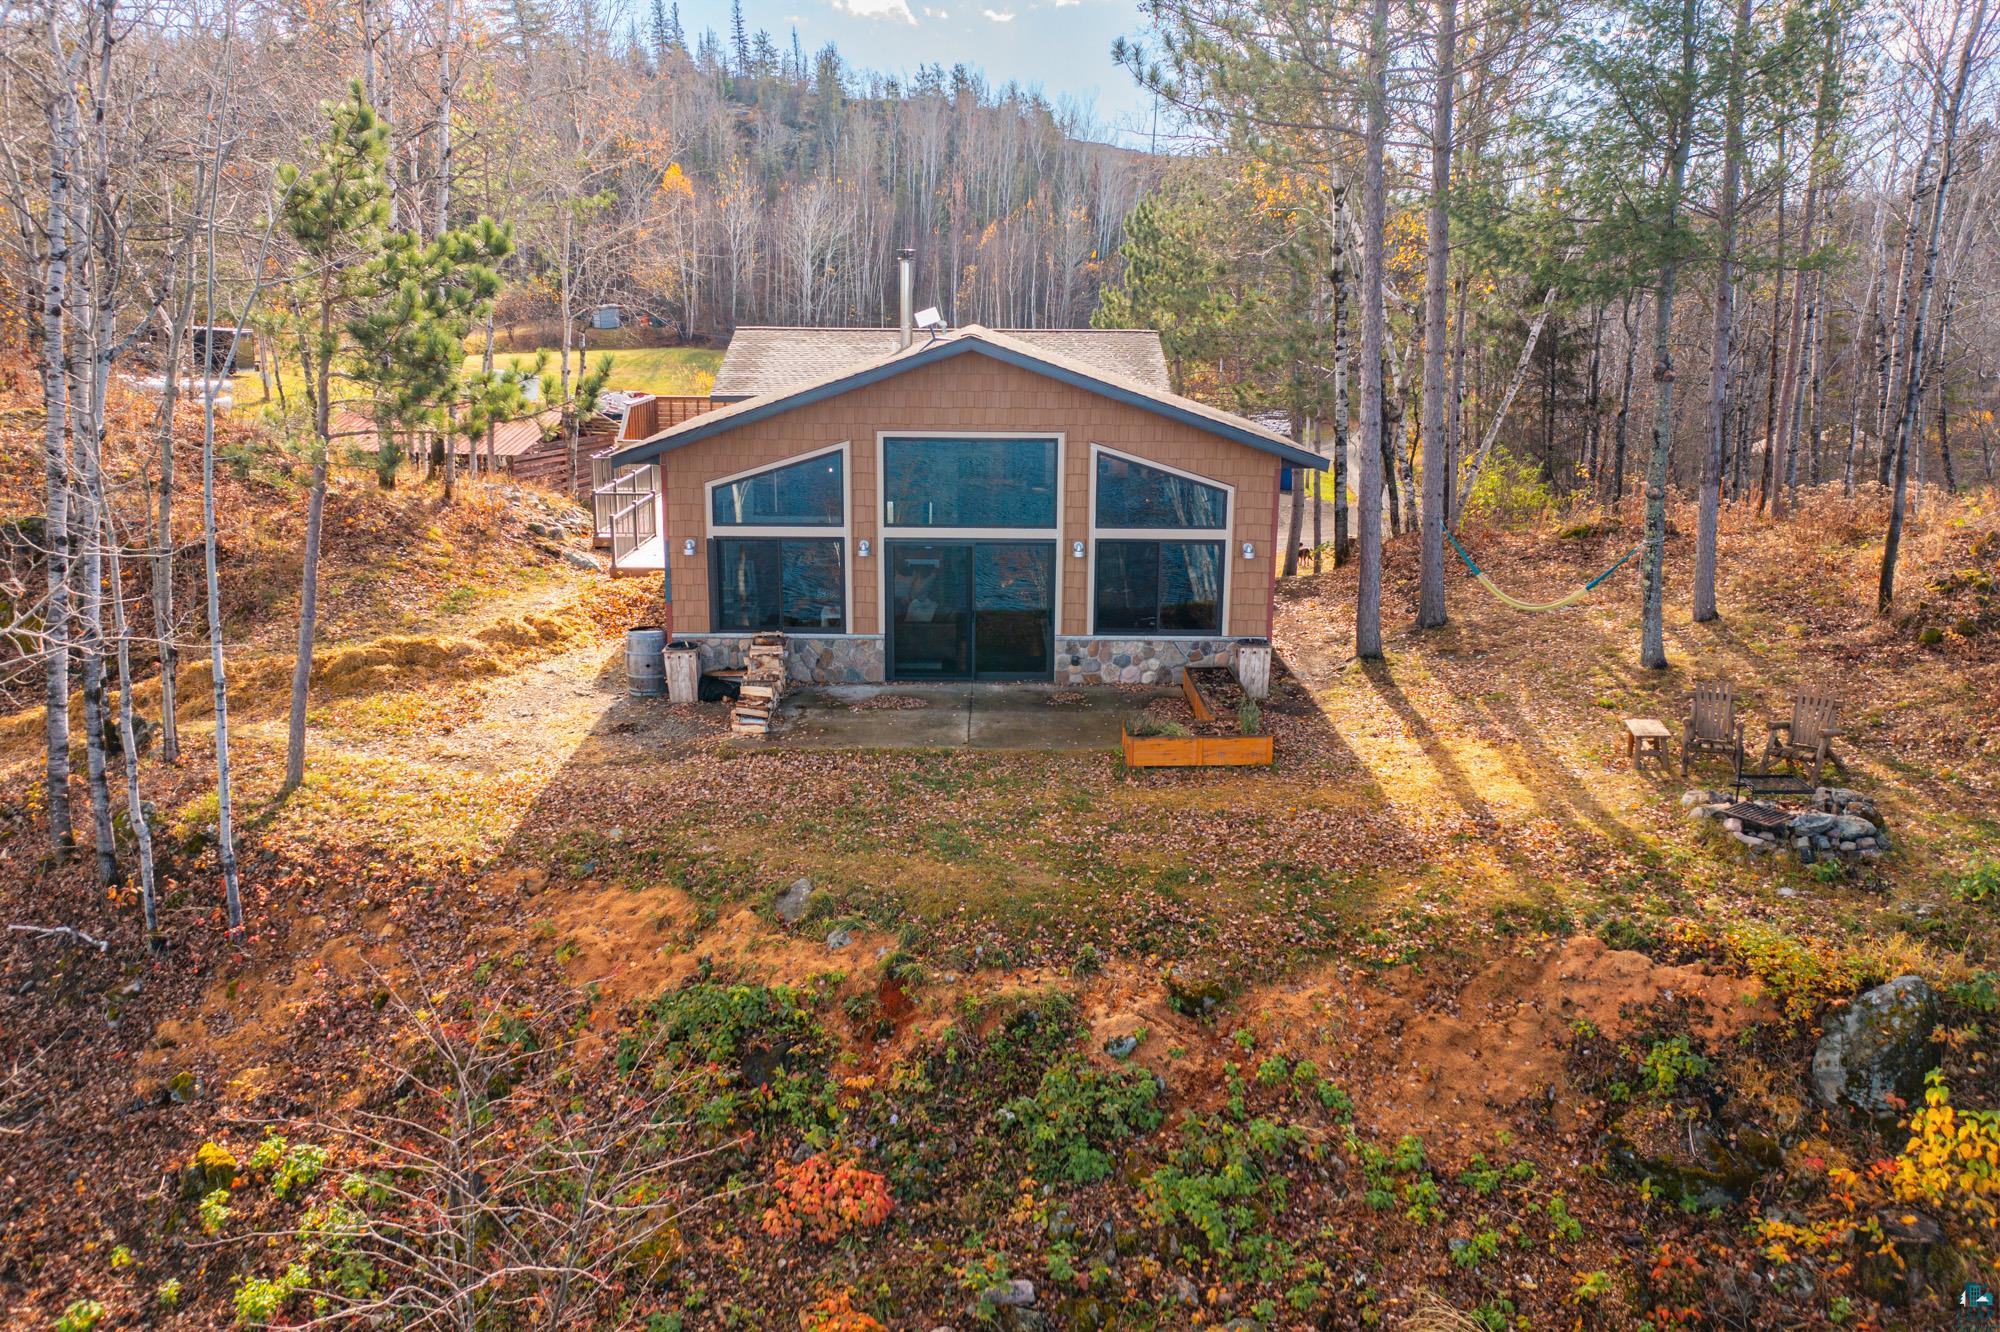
x,y
1139,660
810,660
1079,661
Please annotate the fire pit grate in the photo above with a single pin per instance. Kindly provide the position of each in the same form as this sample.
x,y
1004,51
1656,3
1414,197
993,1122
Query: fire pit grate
x,y
1758,817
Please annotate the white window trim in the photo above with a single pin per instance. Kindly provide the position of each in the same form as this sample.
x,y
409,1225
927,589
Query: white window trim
x,y
843,533
1226,534
885,532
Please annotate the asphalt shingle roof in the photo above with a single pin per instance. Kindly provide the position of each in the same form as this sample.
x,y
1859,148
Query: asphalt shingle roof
x,y
971,339
771,360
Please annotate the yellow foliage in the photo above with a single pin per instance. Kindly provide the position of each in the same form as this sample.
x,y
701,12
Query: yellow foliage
x,y
1952,1161
674,182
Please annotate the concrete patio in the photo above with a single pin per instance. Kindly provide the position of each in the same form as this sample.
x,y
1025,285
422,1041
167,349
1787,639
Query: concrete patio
x,y
954,716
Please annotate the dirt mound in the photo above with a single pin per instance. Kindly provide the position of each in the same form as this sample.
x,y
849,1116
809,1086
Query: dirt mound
x,y
1418,1056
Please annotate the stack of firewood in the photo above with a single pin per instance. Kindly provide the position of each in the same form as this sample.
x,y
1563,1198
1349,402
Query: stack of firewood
x,y
763,685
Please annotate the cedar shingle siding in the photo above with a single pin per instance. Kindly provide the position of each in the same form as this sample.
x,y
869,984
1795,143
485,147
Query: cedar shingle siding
x,y
973,394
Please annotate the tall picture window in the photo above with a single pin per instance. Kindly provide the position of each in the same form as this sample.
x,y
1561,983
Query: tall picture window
x,y
1166,587
788,583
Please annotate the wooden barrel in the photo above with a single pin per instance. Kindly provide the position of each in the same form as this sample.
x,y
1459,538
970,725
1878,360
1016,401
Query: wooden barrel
x,y
683,666
645,669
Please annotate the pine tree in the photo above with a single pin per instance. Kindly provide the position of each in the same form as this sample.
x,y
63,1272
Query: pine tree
x,y
739,37
1172,281
676,35
659,30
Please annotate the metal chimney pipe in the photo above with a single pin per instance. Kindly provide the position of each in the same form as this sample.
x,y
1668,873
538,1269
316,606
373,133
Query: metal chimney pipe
x,y
905,258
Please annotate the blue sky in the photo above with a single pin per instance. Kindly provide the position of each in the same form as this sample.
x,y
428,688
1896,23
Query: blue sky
x,y
1061,46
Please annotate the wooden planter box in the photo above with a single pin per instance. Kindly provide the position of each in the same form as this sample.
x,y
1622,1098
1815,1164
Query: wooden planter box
x,y
1197,751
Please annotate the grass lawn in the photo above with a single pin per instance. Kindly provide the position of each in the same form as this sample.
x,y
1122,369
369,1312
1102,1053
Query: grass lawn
x,y
666,370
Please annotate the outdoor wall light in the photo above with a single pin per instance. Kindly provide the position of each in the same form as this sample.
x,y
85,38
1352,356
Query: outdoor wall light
x,y
1076,549
687,547
862,550
1249,551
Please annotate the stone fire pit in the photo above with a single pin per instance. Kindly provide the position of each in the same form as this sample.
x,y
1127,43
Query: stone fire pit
x,y
1839,824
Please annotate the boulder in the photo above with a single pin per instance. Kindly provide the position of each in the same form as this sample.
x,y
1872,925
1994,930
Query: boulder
x,y
1874,1056
582,560
1848,828
1016,1294
791,903
839,939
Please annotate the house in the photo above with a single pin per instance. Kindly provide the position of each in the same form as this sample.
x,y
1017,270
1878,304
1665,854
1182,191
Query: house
x,y
976,504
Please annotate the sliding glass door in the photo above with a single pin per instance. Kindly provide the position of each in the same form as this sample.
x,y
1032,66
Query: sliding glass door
x,y
972,610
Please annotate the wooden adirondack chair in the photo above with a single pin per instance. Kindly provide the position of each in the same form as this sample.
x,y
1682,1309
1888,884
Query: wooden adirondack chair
x,y
1808,736
1713,728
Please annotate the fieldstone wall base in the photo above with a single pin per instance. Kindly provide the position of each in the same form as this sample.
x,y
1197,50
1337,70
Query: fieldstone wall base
x,y
1081,661
807,660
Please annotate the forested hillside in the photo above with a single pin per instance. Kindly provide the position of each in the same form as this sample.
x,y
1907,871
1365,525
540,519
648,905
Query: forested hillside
x,y
701,181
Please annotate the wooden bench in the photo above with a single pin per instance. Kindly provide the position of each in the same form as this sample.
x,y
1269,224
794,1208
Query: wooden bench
x,y
1646,738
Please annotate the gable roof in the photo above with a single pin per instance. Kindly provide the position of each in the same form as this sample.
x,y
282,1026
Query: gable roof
x,y
974,340
771,360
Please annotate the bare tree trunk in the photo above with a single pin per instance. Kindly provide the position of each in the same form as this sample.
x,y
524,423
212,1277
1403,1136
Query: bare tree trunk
x,y
55,438
92,285
1313,427
135,805
218,674
1938,386
1723,351
1815,380
1892,356
1454,450
1786,482
295,734
1620,424
163,531
1653,646
1437,327
321,372
1507,401
1340,432
1368,598
1772,373
1593,420
1913,393
1299,482
1871,325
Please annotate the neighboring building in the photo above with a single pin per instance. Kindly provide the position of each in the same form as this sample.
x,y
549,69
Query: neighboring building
x,y
981,505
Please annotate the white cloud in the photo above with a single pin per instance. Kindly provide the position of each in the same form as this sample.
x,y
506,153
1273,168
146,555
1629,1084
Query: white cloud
x,y
930,13
1065,4
877,9
997,16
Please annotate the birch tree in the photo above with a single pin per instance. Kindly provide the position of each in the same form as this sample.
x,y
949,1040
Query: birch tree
x,y
1966,29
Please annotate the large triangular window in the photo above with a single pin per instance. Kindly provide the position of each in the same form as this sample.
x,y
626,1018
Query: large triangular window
x,y
800,494
1132,496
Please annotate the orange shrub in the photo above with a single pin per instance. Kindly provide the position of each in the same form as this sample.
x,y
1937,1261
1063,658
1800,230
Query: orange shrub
x,y
836,1313
825,1198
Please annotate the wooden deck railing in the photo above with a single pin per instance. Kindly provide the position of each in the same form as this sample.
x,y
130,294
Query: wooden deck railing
x,y
614,488
633,526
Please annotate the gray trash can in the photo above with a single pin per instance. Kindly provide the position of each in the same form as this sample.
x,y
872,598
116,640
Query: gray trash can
x,y
645,668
